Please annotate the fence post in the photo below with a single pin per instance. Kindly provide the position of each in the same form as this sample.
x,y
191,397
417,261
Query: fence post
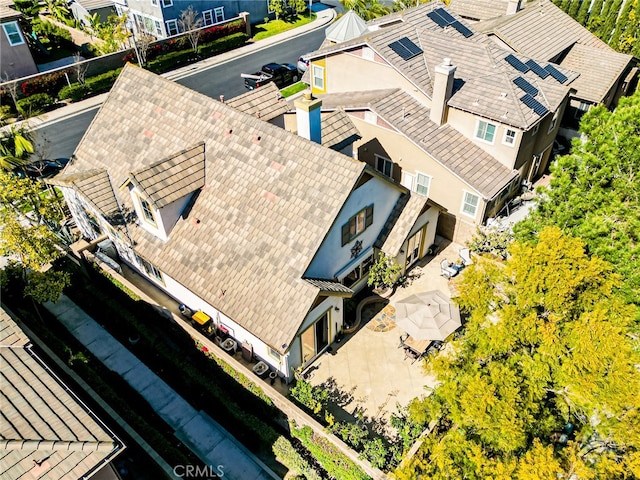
x,y
247,21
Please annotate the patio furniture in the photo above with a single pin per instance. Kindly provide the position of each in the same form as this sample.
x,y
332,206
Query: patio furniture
x,y
415,349
247,351
402,339
465,255
412,354
427,316
447,270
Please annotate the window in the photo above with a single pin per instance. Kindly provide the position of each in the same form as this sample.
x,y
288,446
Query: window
x,y
554,121
273,353
154,2
384,165
172,27
581,109
158,28
219,13
535,129
485,131
151,269
167,3
423,182
207,17
147,213
470,204
318,77
357,224
509,137
13,34
359,272
370,117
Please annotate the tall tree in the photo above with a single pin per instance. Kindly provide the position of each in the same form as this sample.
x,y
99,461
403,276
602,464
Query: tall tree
x,y
583,13
543,384
366,9
278,7
574,7
594,21
610,21
190,22
621,25
594,192
16,144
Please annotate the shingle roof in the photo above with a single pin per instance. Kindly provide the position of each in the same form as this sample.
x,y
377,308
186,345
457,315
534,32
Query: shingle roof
x,y
329,286
42,422
338,130
400,222
444,144
598,71
482,75
95,186
540,30
478,9
173,178
269,200
10,334
265,102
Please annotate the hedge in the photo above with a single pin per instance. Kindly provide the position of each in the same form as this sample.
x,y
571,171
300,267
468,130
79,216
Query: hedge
x,y
287,454
73,92
93,86
34,104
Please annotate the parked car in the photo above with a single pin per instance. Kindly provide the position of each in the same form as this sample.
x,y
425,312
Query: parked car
x,y
41,168
282,74
303,64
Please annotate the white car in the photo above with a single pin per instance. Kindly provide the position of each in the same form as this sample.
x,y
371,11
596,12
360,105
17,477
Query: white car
x,y
303,64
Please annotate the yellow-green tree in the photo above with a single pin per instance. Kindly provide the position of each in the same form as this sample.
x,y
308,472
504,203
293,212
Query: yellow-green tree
x,y
544,382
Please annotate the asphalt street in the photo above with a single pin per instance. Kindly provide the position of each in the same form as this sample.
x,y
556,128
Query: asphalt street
x,y
60,139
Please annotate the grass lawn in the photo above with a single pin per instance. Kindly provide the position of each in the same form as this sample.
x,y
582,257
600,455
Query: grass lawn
x,y
273,27
293,89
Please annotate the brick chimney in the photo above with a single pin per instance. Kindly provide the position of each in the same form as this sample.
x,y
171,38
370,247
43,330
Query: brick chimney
x,y
308,117
442,89
513,6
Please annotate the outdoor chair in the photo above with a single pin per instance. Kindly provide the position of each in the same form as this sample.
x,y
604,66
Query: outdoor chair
x,y
414,356
465,255
402,339
446,269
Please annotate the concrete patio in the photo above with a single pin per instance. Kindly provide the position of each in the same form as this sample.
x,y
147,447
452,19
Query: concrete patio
x,y
367,373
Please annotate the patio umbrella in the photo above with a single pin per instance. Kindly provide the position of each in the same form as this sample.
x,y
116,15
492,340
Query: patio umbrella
x,y
428,315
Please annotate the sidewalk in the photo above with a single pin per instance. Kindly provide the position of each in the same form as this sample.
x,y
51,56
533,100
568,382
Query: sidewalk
x,y
323,18
215,446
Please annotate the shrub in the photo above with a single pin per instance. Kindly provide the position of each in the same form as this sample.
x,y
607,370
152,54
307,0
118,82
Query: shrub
x,y
73,92
103,83
287,454
34,104
220,31
170,60
51,84
223,44
313,398
384,271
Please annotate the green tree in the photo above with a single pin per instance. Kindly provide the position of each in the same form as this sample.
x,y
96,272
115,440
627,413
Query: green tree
x,y
621,25
594,16
16,144
610,20
56,8
278,7
299,6
366,9
583,12
545,346
594,193
575,6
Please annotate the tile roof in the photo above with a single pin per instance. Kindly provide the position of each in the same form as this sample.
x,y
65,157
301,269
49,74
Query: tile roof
x,y
444,144
269,200
10,334
95,4
42,422
478,9
265,102
598,71
173,178
400,222
95,186
540,30
8,11
482,75
338,130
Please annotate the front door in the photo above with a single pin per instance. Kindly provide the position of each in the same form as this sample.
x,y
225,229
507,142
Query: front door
x,y
315,338
415,245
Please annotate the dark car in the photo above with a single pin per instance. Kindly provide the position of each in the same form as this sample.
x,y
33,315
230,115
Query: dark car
x,y
41,168
282,74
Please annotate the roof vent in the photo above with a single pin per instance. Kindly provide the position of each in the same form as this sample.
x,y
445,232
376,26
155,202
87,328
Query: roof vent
x,y
221,98
228,132
196,222
256,139
503,95
446,61
476,102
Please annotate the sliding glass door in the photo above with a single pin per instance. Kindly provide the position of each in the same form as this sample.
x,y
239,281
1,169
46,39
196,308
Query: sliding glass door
x,y
315,338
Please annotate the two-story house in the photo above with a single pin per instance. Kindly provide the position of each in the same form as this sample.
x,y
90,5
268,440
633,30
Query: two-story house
x,y
541,30
463,120
160,18
263,230
15,56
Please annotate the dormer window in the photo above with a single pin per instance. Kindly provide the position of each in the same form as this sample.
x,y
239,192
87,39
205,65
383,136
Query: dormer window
x,y
147,212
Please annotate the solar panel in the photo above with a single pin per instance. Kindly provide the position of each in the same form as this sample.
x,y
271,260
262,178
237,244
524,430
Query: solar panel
x,y
526,86
446,15
535,105
537,69
405,48
462,29
559,76
517,64
437,18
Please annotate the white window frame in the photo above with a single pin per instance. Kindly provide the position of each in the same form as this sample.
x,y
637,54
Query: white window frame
x,y
420,185
154,3
207,18
368,53
158,26
148,215
465,202
385,161
486,124
535,129
554,121
10,34
509,139
169,29
318,76
167,3
581,109
218,14
371,117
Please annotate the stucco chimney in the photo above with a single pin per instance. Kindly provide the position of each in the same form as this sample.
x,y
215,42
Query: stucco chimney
x,y
513,6
442,88
308,117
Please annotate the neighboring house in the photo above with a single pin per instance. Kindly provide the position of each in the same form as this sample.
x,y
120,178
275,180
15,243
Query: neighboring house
x,y
16,60
263,230
541,30
45,430
486,123
160,18
83,9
